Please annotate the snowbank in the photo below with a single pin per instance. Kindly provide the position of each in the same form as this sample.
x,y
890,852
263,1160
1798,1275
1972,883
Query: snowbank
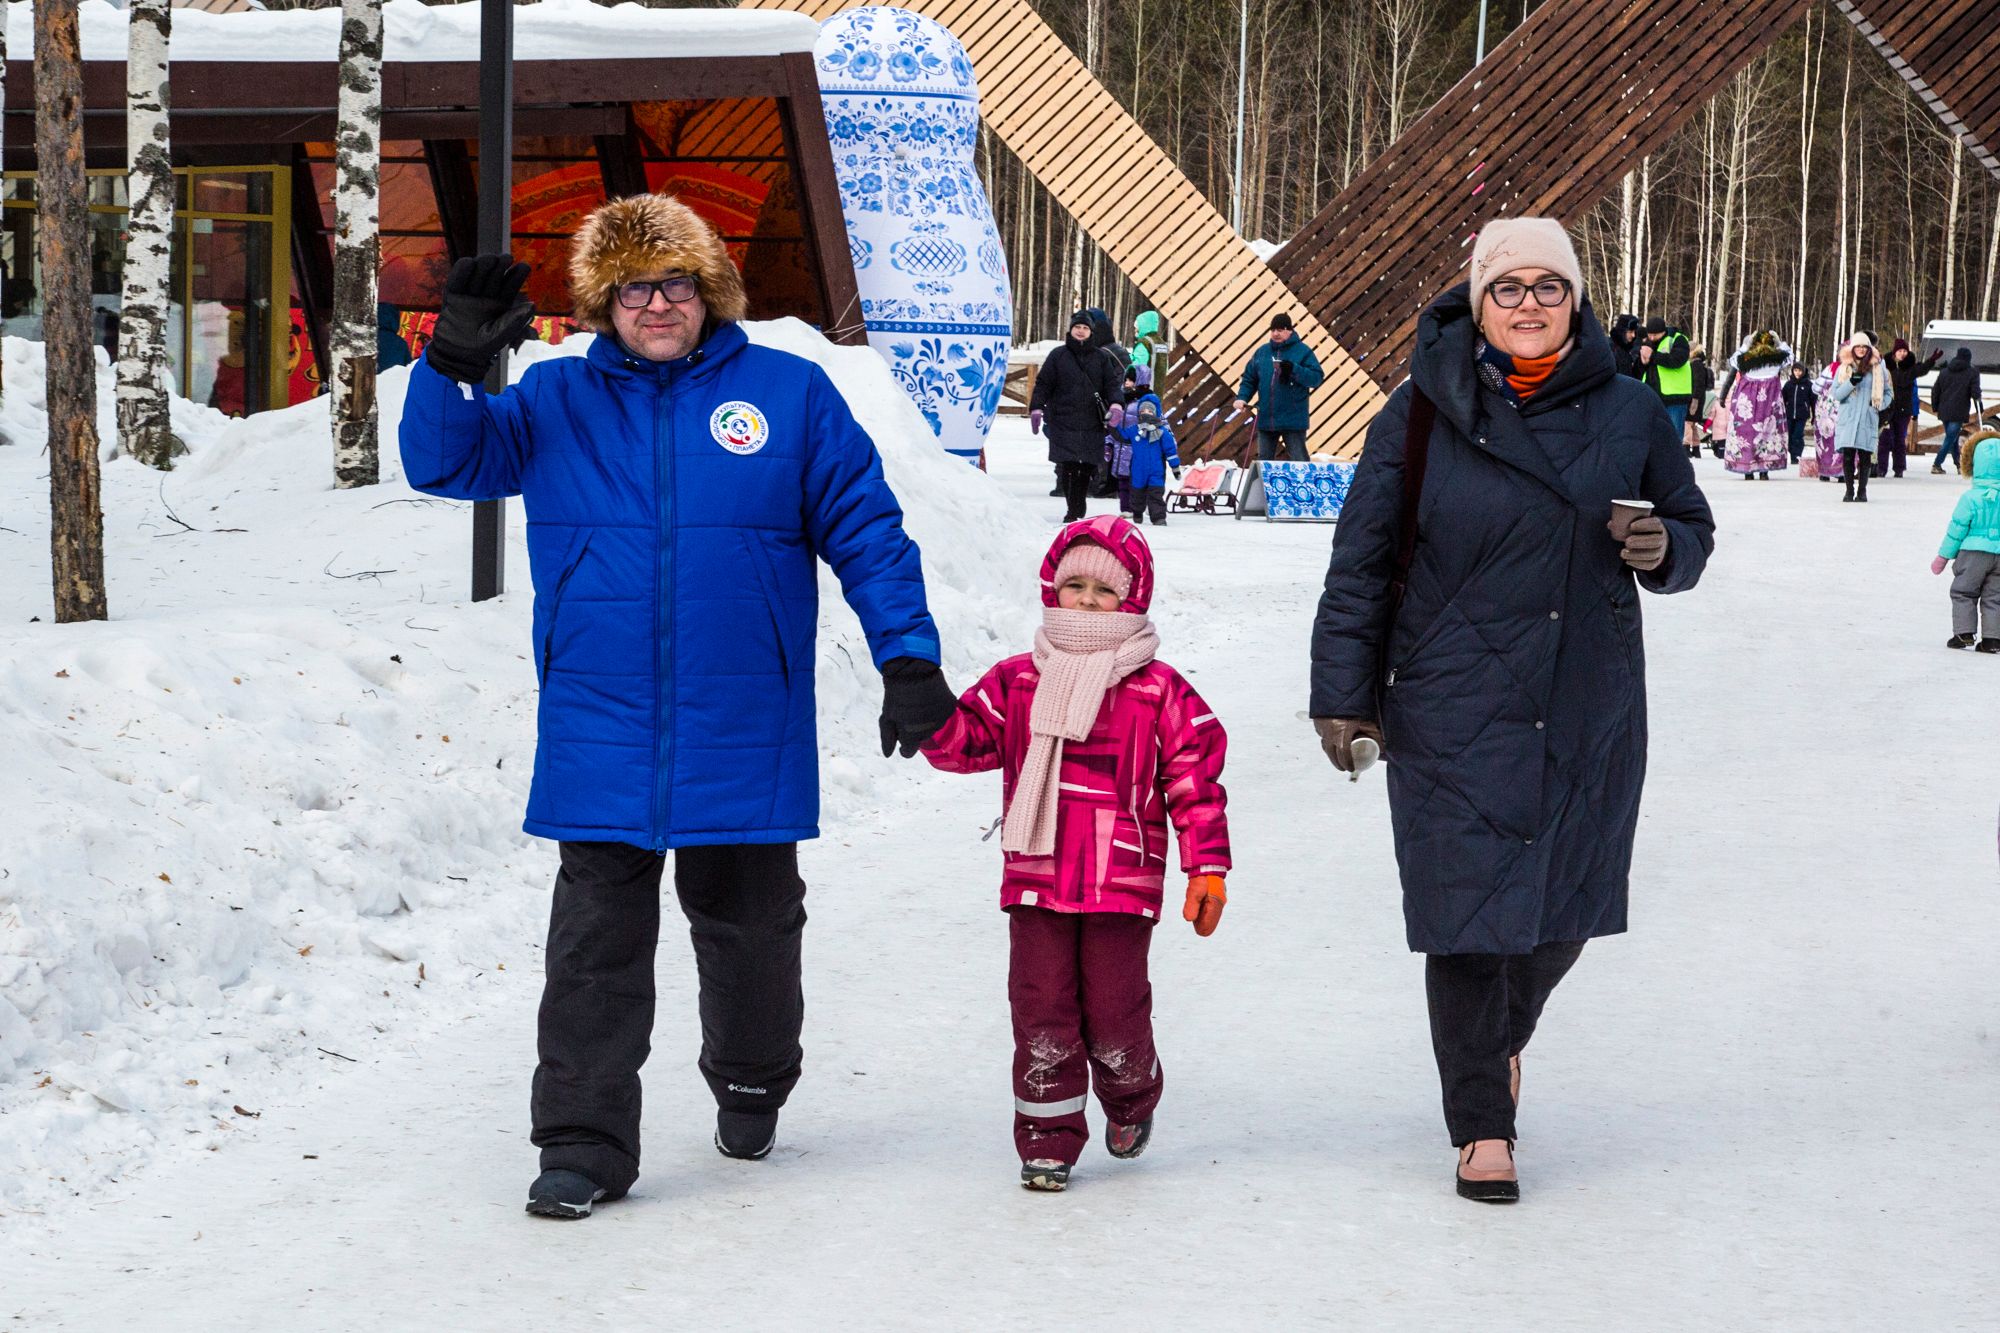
x,y
412,30
270,813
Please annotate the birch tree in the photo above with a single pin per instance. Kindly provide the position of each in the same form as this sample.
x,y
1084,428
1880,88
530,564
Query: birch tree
x,y
144,425
357,174
62,224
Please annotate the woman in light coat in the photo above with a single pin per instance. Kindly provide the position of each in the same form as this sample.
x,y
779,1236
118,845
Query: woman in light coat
x,y
1861,392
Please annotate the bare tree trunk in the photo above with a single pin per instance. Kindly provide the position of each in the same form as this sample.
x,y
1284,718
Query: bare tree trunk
x,y
3,101
1993,263
1951,229
76,534
1808,129
1626,291
145,424
1847,132
358,170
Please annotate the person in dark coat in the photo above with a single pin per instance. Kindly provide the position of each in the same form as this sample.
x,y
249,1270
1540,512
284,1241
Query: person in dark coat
x,y
1702,384
1625,346
1507,691
1893,439
1280,379
1953,395
1103,483
1076,399
1800,400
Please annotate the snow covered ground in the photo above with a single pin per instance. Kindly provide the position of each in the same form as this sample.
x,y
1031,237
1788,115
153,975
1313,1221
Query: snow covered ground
x,y
1763,1108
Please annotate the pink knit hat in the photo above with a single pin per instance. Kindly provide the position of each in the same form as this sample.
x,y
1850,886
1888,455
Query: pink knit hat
x,y
1107,548
1507,244
1094,562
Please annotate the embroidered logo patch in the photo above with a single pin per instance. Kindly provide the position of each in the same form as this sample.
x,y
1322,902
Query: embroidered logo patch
x,y
739,427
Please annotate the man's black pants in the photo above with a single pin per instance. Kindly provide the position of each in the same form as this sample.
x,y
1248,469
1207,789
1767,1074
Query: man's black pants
x,y
1484,1007
745,907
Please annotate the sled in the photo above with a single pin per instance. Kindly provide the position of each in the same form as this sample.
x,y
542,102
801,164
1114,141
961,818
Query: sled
x,y
1204,488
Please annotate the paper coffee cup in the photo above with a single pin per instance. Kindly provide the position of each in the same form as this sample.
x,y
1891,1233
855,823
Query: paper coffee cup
x,y
1365,752
1624,513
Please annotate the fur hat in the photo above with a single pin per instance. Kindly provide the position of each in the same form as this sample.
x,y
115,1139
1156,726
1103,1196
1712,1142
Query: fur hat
x,y
643,235
1507,244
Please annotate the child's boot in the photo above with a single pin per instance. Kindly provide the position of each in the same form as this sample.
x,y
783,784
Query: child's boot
x,y
1127,1141
1045,1174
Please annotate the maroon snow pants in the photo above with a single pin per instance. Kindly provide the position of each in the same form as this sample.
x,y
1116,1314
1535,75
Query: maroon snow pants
x,y
1083,1009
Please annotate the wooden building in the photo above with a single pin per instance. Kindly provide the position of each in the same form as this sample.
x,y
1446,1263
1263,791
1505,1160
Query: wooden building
x,y
732,125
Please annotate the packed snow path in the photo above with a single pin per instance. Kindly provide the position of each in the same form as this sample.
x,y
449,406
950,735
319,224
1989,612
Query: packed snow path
x,y
1767,1106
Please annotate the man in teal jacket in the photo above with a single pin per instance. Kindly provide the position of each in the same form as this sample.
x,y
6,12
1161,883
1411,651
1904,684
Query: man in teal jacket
x,y
1280,379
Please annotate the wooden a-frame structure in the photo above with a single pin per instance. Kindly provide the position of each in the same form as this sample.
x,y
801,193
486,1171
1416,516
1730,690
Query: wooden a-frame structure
x,y
1556,115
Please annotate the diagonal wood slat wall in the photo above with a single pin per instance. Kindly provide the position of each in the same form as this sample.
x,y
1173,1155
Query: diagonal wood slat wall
x,y
1070,131
1556,116
1948,51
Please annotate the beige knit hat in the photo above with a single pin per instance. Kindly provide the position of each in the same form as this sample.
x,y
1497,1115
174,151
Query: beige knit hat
x,y
1094,562
1507,244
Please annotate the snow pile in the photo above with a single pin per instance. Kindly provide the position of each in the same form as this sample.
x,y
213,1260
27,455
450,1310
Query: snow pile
x,y
412,30
270,813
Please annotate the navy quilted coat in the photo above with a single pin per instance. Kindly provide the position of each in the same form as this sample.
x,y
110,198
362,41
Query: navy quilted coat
x,y
676,512
1513,706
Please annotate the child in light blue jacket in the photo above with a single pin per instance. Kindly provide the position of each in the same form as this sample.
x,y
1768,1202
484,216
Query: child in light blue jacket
x,y
1972,545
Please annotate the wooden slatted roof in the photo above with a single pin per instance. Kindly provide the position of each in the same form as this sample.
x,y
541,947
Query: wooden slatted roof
x,y
1949,53
1064,126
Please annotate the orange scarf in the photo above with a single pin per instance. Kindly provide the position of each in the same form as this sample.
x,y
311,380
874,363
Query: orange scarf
x,y
1530,373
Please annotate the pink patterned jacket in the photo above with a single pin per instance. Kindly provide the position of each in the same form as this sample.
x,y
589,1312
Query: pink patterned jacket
x,y
1156,751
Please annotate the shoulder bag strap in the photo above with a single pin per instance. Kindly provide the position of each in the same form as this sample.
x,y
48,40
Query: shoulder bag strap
x,y
1416,457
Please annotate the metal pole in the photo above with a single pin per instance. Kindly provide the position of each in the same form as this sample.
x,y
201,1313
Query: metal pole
x,y
496,197
1242,65
1479,51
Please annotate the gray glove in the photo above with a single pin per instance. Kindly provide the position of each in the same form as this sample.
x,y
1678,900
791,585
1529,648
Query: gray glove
x,y
1645,546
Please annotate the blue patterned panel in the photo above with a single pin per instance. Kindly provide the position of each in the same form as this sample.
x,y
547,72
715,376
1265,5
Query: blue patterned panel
x,y
1308,491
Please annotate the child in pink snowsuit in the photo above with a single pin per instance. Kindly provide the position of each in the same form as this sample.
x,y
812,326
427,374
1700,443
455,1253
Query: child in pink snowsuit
x,y
1097,744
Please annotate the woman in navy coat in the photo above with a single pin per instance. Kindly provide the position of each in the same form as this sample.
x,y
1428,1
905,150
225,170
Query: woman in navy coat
x,y
1507,691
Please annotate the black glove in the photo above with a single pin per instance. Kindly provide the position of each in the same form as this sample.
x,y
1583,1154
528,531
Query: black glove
x,y
484,312
915,704
1855,378
1284,371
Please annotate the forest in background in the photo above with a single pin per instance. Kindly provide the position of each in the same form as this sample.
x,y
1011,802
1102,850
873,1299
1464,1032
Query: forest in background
x,y
1814,195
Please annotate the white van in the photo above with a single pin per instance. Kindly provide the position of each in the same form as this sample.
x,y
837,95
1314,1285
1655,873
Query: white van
x,y
1947,336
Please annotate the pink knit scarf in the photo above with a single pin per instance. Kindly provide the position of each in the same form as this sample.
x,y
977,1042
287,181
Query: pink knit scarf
x,y
1080,655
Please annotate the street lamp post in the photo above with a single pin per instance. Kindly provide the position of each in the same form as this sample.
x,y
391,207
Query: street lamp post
x,y
1479,51
1242,65
496,197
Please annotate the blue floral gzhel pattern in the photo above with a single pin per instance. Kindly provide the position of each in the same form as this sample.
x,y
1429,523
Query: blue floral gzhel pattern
x,y
1314,491
902,114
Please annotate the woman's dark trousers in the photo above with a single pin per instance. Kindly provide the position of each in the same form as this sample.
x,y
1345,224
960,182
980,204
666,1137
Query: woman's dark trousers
x,y
745,907
1484,1007
1889,443
1075,478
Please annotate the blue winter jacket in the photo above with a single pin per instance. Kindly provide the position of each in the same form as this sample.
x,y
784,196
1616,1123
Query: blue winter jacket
x,y
675,512
1281,406
1151,457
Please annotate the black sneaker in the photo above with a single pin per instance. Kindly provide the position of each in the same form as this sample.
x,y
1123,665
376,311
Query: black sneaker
x,y
1127,1141
1988,646
1045,1174
567,1195
746,1135
1960,641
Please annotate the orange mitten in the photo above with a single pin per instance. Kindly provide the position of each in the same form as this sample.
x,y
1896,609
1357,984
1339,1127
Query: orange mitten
x,y
1205,899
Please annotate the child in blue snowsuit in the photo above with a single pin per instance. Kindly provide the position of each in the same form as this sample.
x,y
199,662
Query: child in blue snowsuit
x,y
1150,441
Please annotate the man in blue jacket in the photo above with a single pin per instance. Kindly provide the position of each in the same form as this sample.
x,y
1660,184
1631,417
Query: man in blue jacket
x,y
1280,379
680,487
